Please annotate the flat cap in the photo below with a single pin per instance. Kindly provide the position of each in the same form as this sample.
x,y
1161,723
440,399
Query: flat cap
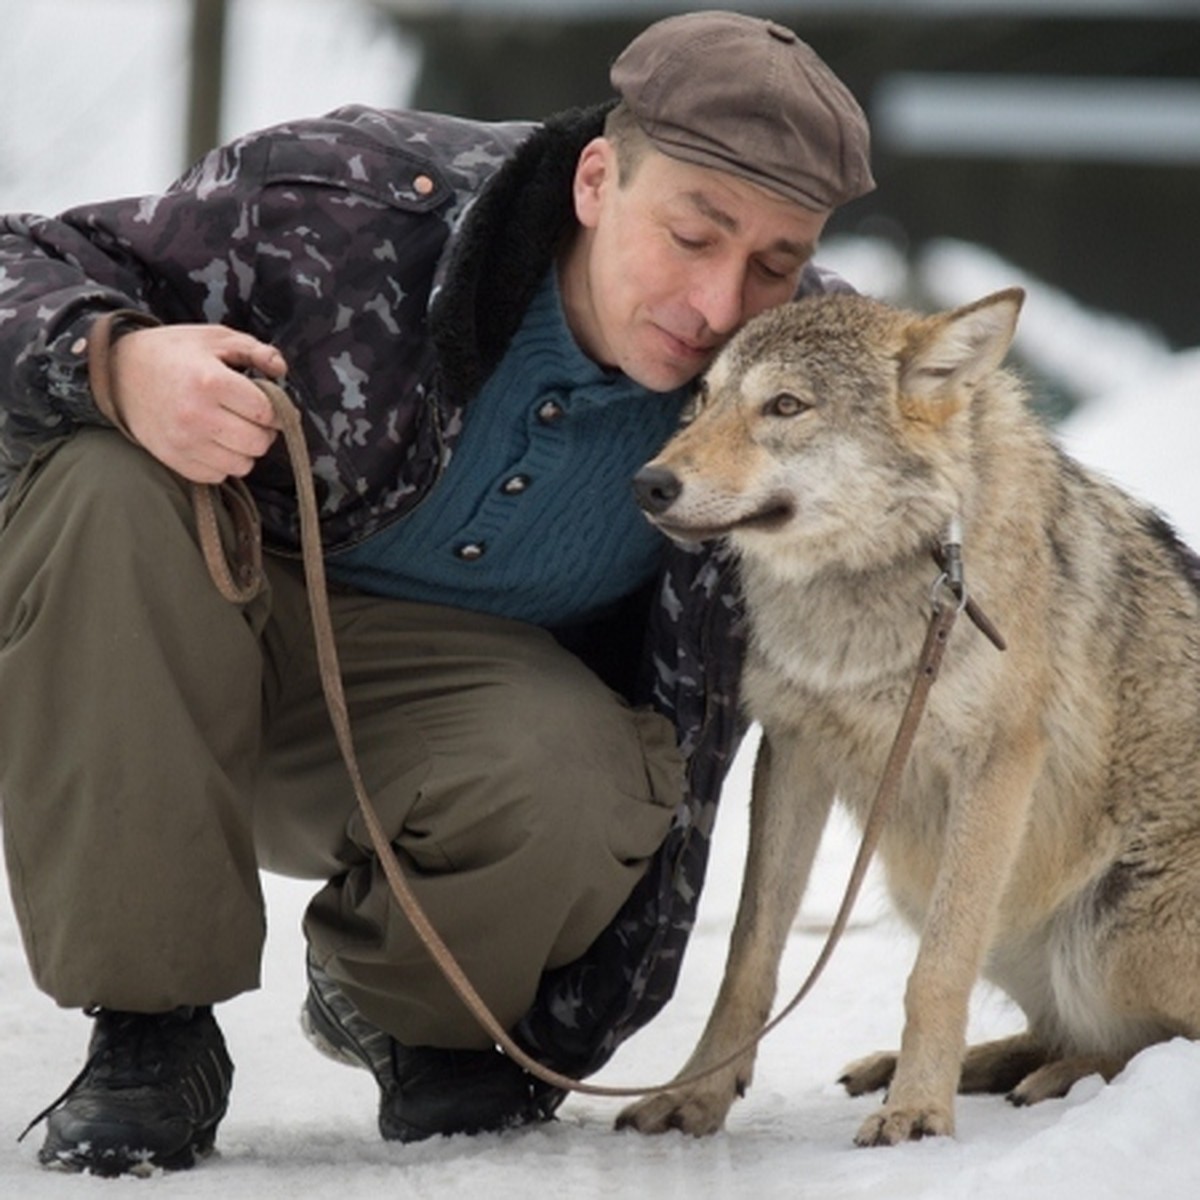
x,y
745,95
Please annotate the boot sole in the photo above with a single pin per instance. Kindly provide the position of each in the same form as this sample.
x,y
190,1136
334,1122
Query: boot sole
x,y
142,1164
321,1040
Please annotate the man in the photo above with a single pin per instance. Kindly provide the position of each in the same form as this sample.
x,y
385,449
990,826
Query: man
x,y
487,328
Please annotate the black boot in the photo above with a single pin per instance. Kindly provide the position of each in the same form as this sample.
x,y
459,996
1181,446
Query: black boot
x,y
424,1090
151,1094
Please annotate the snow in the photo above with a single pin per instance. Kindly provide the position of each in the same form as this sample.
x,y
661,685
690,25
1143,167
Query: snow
x,y
299,1125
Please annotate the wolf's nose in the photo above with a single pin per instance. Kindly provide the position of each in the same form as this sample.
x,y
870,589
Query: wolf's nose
x,y
656,488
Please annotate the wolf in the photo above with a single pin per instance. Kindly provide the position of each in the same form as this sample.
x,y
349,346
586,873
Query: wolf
x,y
1046,833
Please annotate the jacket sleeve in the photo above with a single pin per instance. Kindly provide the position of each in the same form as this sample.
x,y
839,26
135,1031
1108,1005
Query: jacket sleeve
x,y
177,256
52,281
319,237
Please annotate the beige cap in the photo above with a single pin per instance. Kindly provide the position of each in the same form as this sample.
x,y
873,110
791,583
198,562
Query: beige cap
x,y
746,95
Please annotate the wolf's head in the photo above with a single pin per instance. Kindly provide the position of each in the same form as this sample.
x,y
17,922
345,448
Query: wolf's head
x,y
833,429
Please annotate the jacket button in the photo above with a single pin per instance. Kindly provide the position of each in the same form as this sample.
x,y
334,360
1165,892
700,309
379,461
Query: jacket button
x,y
423,185
471,551
515,485
550,412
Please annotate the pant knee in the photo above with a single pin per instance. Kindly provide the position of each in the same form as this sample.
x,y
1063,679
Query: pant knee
x,y
100,466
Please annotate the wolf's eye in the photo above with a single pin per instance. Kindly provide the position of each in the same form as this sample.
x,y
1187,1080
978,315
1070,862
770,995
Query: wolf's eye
x,y
785,405
693,404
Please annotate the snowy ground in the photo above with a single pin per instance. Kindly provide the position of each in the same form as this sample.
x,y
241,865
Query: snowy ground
x,y
299,1126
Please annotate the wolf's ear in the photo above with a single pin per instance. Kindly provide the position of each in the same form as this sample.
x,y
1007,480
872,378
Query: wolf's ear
x,y
953,351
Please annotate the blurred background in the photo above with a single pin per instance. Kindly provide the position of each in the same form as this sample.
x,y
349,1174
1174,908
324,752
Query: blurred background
x,y
1064,134
1058,139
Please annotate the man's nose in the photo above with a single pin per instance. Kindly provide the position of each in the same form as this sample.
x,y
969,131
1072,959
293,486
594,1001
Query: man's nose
x,y
719,297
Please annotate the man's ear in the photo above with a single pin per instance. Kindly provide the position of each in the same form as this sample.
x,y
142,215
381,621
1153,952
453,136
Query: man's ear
x,y
594,172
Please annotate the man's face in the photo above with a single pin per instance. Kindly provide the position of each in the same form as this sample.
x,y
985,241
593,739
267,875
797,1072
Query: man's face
x,y
665,269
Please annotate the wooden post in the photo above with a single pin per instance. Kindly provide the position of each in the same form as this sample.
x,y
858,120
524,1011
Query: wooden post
x,y
207,77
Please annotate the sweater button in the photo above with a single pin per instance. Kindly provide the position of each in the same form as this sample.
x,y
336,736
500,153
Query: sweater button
x,y
471,551
550,412
515,485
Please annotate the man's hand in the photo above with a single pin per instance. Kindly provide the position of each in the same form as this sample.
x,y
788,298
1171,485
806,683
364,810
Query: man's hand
x,y
180,392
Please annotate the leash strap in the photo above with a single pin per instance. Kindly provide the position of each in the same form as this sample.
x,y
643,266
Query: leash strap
x,y
239,582
242,581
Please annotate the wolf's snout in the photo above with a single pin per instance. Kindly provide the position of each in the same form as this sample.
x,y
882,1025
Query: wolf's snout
x,y
656,489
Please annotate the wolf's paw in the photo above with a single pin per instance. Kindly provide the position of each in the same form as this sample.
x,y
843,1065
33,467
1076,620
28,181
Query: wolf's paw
x,y
869,1074
1056,1079
893,1126
697,1111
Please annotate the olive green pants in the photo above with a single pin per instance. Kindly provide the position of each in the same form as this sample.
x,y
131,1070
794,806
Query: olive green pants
x,y
158,745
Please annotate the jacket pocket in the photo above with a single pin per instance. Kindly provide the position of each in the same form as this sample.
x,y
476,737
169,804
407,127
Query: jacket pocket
x,y
386,175
641,823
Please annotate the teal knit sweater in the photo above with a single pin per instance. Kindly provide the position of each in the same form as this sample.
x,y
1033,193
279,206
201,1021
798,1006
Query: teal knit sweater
x,y
533,517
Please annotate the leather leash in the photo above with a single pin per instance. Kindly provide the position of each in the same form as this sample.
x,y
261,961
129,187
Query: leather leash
x,y
241,583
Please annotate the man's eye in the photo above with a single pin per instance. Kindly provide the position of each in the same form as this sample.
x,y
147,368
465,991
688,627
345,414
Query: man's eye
x,y
688,243
773,274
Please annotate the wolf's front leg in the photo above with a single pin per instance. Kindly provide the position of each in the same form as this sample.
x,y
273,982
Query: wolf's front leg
x,y
982,839
788,810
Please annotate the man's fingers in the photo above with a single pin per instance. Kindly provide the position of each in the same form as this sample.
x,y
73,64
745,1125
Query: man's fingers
x,y
219,429
242,437
248,353
214,463
185,396
248,402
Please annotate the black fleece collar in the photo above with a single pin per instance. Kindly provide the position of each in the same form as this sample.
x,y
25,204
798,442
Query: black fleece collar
x,y
507,243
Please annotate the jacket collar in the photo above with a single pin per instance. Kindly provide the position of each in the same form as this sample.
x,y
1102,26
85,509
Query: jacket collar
x,y
507,241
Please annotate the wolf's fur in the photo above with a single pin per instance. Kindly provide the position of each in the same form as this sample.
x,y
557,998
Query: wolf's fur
x,y
1047,833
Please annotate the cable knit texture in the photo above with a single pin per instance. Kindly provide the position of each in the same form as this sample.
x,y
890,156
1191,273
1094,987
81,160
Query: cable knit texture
x,y
534,518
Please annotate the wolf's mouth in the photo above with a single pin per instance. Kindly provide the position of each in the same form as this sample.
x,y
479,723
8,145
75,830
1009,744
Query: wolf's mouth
x,y
774,514
777,512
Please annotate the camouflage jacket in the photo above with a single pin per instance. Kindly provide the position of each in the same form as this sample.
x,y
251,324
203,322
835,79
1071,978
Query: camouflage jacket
x,y
390,257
